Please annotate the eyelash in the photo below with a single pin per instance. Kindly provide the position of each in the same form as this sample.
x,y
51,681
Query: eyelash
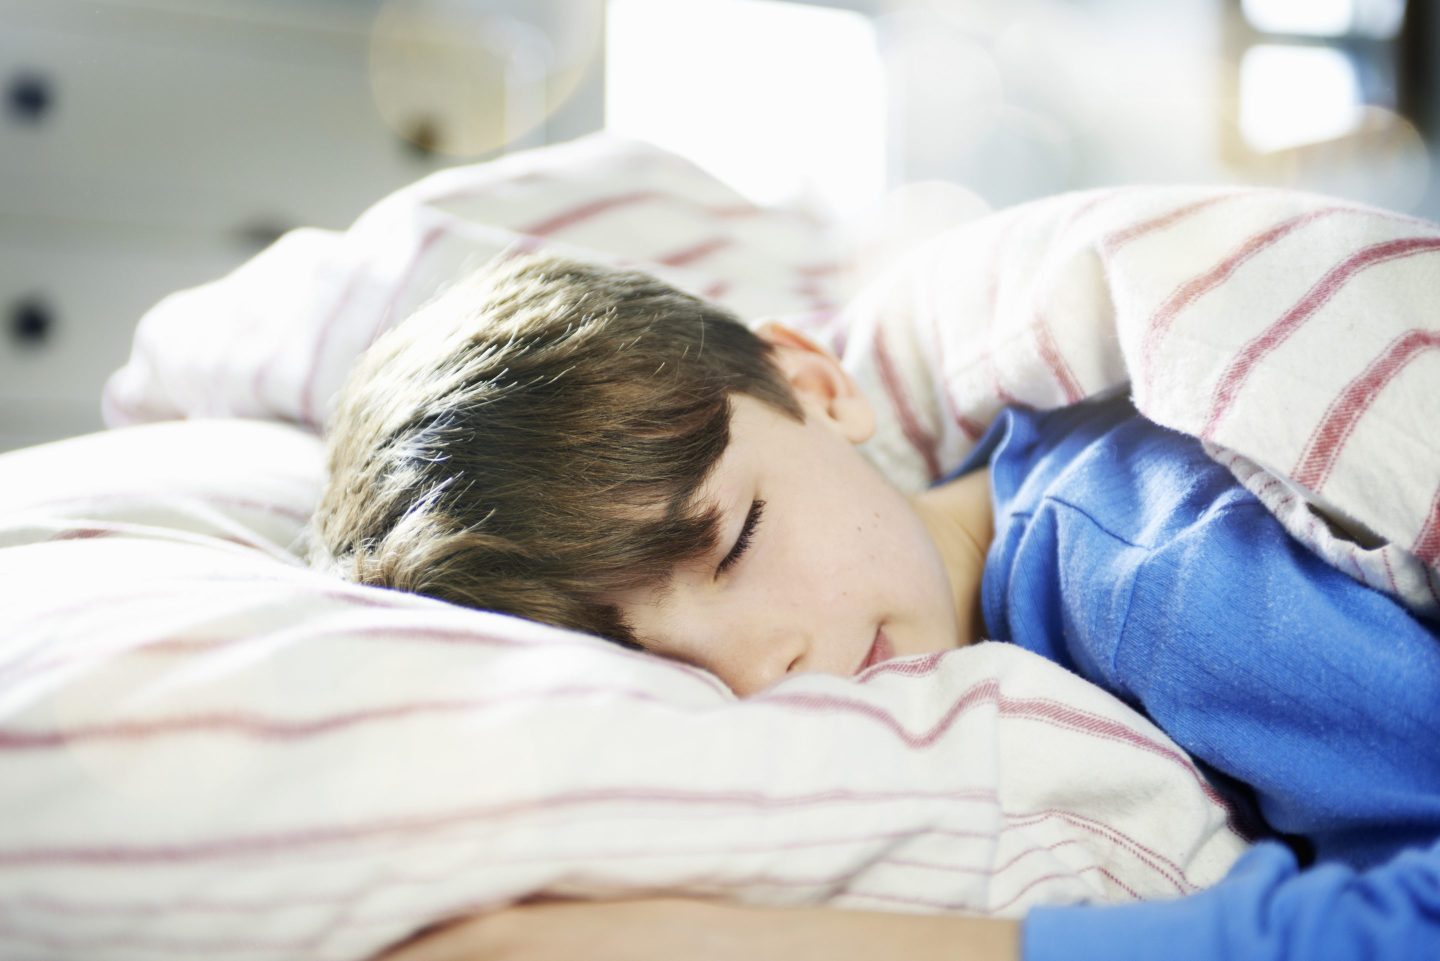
x,y
742,544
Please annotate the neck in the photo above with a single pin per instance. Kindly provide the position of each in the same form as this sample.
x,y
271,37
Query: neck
x,y
959,518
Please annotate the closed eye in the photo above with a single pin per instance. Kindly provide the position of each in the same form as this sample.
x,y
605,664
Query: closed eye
x,y
742,543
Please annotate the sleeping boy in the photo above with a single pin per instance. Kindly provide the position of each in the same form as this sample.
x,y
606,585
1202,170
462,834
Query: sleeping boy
x,y
593,449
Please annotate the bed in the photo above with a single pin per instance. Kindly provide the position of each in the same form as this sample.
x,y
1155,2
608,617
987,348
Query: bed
x,y
212,750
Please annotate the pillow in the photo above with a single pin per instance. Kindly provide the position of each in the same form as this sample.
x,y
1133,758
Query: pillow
x,y
244,482
213,751
275,338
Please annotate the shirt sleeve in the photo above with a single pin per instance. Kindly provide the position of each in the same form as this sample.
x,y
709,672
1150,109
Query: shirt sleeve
x,y
1265,910
1279,670
1144,567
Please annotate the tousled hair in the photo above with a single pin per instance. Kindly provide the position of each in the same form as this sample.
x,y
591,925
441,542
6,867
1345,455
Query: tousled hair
x,y
532,442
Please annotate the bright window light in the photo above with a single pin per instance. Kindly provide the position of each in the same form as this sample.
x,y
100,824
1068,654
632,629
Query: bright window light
x,y
1293,95
1327,18
1317,18
783,101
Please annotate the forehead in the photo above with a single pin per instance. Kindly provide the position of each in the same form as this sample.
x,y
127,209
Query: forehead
x,y
724,496
755,430
761,453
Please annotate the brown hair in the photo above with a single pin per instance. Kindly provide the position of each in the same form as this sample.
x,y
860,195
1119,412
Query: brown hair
x,y
533,440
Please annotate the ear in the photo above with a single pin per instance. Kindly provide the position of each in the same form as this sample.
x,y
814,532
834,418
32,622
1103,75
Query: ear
x,y
822,386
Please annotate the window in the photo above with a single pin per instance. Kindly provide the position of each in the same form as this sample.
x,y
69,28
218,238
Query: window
x,y
783,101
1319,71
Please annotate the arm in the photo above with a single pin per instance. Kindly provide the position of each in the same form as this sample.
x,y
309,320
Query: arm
x,y
1142,565
1262,660
676,929
1264,911
1181,594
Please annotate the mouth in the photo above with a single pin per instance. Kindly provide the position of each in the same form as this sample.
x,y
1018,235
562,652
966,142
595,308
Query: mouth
x,y
880,650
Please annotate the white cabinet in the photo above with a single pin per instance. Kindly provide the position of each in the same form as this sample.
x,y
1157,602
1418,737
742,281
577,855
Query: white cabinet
x,y
71,297
148,145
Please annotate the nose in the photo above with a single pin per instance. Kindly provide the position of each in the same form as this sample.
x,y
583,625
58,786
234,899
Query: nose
x,y
770,654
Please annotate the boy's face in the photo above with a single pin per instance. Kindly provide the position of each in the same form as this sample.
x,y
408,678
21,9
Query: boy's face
x,y
836,557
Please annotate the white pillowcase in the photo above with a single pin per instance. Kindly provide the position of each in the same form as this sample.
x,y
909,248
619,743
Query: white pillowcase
x,y
276,338
213,751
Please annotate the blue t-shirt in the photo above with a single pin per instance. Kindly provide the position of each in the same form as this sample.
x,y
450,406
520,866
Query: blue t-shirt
x,y
1124,553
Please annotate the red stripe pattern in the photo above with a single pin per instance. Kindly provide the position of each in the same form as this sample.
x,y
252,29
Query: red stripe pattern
x,y
920,438
223,754
1275,334
1291,332
1427,542
276,338
1196,287
1344,413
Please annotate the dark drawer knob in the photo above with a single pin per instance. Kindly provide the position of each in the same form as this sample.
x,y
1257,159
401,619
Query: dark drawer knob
x,y
32,322
423,136
29,97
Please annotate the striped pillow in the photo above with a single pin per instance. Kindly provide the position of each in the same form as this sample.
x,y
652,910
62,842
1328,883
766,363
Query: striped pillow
x,y
275,338
211,751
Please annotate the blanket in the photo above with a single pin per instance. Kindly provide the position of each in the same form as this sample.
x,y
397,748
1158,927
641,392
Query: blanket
x,y
1295,335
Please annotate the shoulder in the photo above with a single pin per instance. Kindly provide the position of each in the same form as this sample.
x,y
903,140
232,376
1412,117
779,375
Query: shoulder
x,y
1102,461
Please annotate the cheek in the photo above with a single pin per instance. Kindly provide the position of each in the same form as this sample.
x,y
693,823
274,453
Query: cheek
x,y
902,553
883,523
863,540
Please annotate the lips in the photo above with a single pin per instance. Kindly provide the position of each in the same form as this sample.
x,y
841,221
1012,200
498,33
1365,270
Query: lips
x,y
880,650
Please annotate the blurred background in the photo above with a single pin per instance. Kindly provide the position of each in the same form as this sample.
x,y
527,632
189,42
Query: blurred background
x,y
149,145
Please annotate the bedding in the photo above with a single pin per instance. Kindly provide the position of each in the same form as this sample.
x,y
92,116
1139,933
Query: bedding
x,y
1295,335
211,750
